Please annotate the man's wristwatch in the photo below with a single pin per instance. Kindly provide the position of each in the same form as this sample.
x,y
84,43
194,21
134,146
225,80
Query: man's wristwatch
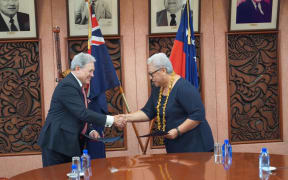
x,y
178,131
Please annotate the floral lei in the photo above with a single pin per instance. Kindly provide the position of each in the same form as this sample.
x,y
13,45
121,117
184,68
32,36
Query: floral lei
x,y
164,105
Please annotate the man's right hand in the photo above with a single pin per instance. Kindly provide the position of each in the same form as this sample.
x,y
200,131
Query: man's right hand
x,y
120,121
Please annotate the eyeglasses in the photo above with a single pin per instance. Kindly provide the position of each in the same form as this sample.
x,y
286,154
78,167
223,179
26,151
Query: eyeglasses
x,y
151,74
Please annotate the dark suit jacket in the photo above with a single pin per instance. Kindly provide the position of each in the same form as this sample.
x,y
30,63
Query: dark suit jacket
x,y
23,20
246,13
66,118
161,18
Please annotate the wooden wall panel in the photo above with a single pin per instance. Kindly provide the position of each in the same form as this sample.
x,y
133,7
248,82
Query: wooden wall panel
x,y
254,105
20,97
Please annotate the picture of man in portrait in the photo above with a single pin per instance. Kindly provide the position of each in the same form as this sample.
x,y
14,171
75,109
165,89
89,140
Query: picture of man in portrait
x,y
11,19
167,16
254,11
101,8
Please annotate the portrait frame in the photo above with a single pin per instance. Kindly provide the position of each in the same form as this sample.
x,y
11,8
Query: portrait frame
x,y
156,7
240,21
109,25
27,22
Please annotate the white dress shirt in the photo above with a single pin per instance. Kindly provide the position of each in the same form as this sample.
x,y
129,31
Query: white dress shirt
x,y
259,7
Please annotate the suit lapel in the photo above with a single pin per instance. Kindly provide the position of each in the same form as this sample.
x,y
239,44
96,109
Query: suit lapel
x,y
75,83
22,21
3,25
71,79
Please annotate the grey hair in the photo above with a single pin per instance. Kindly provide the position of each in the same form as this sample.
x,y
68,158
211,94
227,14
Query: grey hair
x,y
81,60
160,60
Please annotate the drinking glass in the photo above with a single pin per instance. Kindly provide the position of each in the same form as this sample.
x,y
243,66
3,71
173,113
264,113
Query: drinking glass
x,y
76,161
217,153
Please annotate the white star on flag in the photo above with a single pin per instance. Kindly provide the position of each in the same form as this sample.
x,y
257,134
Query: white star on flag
x,y
193,42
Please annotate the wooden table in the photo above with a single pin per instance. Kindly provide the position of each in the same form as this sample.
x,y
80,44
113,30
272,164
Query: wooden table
x,y
192,166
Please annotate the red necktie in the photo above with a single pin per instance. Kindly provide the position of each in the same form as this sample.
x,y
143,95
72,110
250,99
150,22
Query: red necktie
x,y
86,104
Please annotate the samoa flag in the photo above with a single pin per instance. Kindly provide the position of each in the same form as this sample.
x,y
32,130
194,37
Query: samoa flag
x,y
183,53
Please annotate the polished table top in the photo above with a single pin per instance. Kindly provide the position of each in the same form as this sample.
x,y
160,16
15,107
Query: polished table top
x,y
182,166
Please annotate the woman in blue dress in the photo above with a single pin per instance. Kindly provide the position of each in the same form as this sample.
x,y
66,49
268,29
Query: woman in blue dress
x,y
177,107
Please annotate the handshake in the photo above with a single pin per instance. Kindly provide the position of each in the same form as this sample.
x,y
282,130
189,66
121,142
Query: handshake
x,y
120,120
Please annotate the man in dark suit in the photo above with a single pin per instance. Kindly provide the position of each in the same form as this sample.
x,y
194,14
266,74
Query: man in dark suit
x,y
101,8
254,11
60,138
168,15
11,19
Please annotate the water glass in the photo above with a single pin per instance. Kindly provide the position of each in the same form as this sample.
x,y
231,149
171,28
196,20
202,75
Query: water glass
x,y
76,161
218,153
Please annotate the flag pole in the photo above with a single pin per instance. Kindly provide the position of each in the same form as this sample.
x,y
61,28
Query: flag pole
x,y
87,89
133,124
89,26
189,30
150,130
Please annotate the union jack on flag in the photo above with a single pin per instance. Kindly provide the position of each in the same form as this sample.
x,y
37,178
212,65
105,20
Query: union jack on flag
x,y
96,38
105,76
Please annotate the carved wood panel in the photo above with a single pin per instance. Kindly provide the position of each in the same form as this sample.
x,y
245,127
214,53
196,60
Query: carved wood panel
x,y
254,106
165,44
113,96
20,97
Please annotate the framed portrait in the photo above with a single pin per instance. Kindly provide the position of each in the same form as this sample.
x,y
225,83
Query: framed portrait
x,y
165,15
107,14
250,15
18,19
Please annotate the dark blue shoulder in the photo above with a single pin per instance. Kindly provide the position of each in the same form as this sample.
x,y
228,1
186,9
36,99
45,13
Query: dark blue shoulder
x,y
185,85
184,82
